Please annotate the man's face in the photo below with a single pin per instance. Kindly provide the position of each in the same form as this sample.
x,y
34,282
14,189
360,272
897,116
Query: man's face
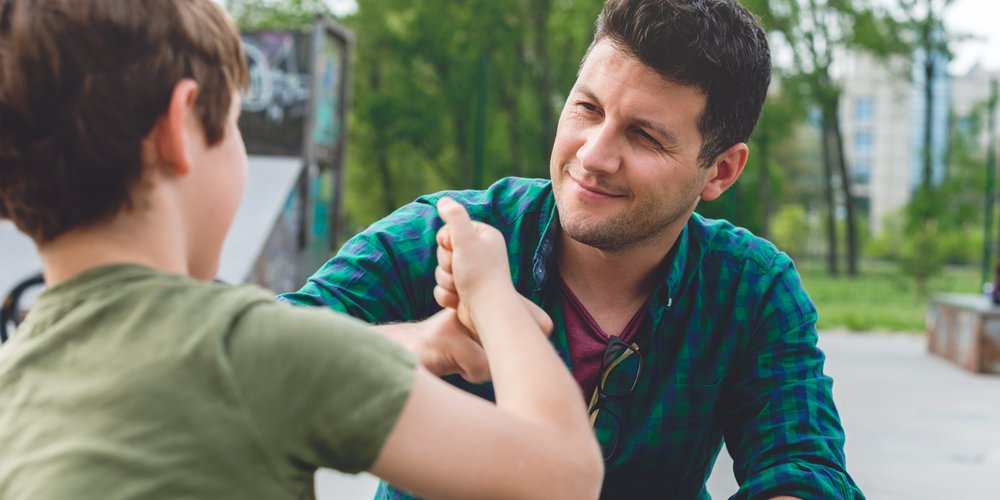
x,y
625,163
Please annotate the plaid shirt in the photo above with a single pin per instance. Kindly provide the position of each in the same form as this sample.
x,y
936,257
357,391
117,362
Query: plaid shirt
x,y
729,345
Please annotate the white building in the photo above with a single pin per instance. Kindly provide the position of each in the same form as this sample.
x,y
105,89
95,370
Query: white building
x,y
876,115
882,118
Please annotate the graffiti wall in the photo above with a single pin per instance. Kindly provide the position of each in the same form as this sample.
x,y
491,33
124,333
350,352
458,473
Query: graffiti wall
x,y
276,104
296,106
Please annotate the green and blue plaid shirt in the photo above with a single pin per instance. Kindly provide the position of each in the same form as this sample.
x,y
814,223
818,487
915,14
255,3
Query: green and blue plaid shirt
x,y
729,345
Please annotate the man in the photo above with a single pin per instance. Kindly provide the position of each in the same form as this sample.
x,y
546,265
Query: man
x,y
680,330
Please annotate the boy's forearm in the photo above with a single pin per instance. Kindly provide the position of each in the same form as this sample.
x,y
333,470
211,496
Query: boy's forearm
x,y
529,377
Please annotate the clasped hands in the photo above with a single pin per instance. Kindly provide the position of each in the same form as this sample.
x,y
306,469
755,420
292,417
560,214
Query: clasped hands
x,y
472,268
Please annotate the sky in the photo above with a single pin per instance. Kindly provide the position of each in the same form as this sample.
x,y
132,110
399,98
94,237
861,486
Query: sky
x,y
343,7
982,19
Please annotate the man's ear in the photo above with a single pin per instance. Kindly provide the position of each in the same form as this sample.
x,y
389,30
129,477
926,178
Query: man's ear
x,y
723,173
174,131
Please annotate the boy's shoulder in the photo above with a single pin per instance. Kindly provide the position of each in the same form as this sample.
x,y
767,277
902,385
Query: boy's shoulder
x,y
114,302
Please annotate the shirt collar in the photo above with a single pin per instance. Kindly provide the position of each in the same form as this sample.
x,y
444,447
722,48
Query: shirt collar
x,y
543,264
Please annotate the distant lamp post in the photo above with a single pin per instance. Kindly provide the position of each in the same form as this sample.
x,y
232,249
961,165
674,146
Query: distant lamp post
x,y
991,167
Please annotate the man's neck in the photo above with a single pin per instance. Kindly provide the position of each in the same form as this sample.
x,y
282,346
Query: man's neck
x,y
615,282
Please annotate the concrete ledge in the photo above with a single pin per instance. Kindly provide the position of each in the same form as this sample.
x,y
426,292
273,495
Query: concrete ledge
x,y
965,328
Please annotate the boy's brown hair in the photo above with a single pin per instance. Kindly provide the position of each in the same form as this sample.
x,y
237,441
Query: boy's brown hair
x,y
82,82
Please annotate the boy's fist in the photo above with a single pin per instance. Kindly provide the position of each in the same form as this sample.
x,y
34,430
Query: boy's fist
x,y
472,265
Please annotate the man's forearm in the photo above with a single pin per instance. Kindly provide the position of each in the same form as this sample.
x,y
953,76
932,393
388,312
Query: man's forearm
x,y
404,334
441,345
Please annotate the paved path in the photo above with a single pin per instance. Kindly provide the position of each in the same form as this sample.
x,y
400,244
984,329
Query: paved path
x,y
918,427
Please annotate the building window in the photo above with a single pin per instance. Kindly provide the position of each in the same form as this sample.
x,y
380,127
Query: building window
x,y
863,143
864,110
861,170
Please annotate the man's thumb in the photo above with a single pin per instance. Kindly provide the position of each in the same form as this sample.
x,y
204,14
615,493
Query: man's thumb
x,y
456,217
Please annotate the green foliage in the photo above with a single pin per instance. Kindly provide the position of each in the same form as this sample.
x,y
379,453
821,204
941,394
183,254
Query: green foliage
x,y
269,14
790,230
886,245
773,157
880,298
921,255
962,245
420,72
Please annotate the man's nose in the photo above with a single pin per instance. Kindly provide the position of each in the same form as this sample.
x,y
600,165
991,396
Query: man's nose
x,y
599,152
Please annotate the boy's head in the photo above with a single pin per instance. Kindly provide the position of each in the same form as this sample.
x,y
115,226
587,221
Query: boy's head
x,y
83,83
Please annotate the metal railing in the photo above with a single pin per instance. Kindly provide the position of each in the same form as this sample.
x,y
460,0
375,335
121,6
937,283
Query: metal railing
x,y
11,313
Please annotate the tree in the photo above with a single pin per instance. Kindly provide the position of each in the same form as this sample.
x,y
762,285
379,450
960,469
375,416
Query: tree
x,y
449,93
817,32
942,224
266,14
924,22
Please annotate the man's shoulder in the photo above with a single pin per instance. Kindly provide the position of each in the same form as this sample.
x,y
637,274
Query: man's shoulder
x,y
719,239
502,204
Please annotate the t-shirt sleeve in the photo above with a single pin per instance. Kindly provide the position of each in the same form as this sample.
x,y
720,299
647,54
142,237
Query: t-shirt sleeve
x,y
317,386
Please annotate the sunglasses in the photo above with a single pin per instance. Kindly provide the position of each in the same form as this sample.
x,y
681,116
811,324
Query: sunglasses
x,y
620,369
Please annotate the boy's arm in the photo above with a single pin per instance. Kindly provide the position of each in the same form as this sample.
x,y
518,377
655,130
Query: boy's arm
x,y
320,390
536,441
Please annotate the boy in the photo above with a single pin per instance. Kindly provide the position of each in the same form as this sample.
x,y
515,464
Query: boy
x,y
135,377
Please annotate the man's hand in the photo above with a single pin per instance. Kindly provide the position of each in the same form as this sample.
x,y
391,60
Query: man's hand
x,y
442,345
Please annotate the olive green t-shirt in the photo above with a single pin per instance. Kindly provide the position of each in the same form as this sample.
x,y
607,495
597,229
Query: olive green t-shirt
x,y
128,383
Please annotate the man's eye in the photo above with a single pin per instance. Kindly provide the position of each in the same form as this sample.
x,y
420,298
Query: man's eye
x,y
648,138
587,106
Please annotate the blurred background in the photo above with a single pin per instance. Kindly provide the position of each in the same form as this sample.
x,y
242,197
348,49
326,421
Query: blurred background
x,y
869,165
873,166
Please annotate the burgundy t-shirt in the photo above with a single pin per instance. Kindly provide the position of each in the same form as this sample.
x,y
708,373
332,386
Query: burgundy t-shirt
x,y
587,341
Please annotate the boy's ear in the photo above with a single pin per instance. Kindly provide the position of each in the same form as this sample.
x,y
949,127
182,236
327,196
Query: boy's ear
x,y
727,168
175,130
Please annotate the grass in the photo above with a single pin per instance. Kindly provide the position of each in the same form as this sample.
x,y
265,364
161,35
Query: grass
x,y
881,298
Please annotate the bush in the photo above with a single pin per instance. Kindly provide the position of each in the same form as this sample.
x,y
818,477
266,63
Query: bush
x,y
790,230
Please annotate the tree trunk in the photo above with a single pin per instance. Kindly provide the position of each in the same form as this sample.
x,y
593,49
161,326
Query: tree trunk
x,y
382,155
831,202
765,183
845,184
540,10
459,122
928,148
509,102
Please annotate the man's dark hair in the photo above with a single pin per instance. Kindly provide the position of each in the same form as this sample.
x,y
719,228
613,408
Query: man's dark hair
x,y
82,82
717,46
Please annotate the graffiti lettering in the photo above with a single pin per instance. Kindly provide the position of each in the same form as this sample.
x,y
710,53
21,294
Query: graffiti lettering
x,y
276,84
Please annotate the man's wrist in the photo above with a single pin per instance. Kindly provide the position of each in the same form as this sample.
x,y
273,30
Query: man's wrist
x,y
406,335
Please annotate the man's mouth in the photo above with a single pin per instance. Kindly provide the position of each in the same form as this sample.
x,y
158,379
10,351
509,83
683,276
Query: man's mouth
x,y
596,189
